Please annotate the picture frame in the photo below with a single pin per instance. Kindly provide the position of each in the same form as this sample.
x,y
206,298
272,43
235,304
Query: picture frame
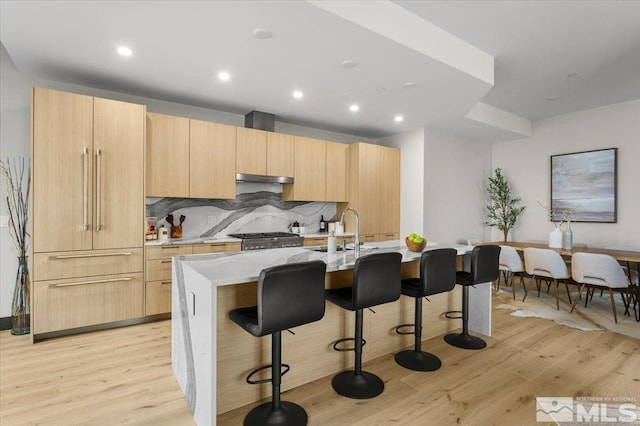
x,y
585,183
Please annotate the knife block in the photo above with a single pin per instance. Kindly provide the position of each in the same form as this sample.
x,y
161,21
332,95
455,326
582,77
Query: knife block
x,y
176,231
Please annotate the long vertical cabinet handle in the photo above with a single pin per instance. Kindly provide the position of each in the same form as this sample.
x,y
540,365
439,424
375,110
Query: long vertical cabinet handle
x,y
85,188
98,189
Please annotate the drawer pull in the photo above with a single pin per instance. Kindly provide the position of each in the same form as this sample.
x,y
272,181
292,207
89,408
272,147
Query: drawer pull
x,y
82,256
165,282
111,280
166,261
169,247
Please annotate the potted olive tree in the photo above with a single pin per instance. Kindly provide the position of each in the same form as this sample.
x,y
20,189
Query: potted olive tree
x,y
503,210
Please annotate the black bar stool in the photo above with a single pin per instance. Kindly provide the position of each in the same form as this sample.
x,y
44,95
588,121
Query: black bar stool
x,y
485,263
376,280
288,296
437,275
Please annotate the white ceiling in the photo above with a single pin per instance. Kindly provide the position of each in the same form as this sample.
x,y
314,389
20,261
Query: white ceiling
x,y
179,47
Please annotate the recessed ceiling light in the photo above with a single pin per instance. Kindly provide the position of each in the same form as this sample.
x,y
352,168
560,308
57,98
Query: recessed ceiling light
x,y
124,50
224,76
349,63
298,94
262,34
354,108
552,98
573,74
398,119
409,85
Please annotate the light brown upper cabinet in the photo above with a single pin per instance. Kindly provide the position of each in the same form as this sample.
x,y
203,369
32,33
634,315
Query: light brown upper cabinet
x,y
309,172
280,154
212,160
337,176
167,156
88,170
374,190
251,151
264,153
190,158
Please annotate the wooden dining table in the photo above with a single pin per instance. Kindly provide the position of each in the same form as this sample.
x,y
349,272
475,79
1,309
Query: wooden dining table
x,y
627,256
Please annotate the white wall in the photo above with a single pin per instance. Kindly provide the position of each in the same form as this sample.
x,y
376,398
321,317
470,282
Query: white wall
x,y
455,176
411,146
526,163
15,107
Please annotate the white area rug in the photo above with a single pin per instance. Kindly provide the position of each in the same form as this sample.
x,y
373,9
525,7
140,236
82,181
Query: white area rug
x,y
596,316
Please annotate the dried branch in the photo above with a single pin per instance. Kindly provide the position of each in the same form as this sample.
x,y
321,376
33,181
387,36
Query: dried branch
x,y
16,172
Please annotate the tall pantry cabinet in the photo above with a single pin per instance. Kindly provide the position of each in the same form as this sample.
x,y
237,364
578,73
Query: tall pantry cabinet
x,y
88,210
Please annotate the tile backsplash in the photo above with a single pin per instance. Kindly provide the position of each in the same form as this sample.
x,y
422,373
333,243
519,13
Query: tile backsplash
x,y
258,207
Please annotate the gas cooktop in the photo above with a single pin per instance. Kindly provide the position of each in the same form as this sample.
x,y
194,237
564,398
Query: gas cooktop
x,y
268,240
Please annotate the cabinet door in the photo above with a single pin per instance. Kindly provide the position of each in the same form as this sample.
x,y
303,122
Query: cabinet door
x,y
337,179
251,151
80,302
62,149
280,154
119,174
310,170
389,166
167,156
368,188
213,159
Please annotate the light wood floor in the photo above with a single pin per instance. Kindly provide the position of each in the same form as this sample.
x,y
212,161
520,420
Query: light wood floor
x,y
124,376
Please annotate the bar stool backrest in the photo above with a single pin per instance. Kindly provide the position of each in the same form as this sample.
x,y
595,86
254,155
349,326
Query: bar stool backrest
x,y
485,263
290,295
438,271
376,279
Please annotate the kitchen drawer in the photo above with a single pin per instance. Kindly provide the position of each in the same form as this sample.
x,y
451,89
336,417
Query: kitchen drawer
x,y
367,238
157,298
388,237
215,247
165,252
315,241
80,302
157,270
87,263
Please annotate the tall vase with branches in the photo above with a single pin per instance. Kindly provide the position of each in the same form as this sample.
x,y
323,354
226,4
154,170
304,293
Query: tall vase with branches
x,y
503,209
18,183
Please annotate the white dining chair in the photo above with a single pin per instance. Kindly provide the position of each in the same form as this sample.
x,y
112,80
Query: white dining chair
x,y
599,270
632,274
547,265
511,265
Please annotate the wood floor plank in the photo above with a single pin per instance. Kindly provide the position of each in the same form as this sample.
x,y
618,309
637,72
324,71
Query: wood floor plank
x,y
124,377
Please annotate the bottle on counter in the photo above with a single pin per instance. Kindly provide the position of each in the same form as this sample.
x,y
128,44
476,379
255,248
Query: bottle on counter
x,y
323,224
163,233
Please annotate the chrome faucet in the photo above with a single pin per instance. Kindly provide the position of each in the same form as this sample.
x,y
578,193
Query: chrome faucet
x,y
357,243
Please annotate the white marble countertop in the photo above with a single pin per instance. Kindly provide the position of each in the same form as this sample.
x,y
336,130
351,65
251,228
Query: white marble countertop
x,y
326,234
243,267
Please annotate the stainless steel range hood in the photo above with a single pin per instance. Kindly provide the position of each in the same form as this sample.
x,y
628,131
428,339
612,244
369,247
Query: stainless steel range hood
x,y
261,121
245,177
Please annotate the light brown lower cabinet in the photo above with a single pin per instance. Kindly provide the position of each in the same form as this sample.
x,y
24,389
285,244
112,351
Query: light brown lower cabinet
x,y
157,297
322,241
80,302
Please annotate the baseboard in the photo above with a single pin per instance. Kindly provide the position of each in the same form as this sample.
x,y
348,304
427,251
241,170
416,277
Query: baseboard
x,y
5,323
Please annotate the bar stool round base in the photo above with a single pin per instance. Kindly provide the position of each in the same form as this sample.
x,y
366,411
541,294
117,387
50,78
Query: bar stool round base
x,y
289,414
418,361
362,386
465,341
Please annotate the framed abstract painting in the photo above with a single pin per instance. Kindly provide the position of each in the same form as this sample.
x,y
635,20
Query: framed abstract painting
x,y
585,183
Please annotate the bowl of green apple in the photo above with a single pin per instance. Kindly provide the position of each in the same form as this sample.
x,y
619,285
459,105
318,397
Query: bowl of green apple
x,y
415,242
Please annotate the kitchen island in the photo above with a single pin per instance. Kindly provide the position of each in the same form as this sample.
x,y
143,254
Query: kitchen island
x,y
211,356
